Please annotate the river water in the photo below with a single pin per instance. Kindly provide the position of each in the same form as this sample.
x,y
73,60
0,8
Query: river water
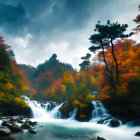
x,y
52,127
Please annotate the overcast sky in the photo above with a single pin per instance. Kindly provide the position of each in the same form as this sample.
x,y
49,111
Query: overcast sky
x,y
35,29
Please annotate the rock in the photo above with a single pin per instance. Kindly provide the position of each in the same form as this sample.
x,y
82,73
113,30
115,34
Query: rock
x,y
5,131
31,123
21,117
114,123
100,138
32,131
101,121
137,134
15,128
136,122
52,105
11,137
5,123
19,121
26,126
12,120
84,113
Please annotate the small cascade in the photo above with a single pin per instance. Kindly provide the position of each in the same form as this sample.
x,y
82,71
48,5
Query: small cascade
x,y
43,111
47,106
72,114
99,112
55,113
38,111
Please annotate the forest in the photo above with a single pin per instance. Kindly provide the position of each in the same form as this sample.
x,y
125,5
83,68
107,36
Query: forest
x,y
114,72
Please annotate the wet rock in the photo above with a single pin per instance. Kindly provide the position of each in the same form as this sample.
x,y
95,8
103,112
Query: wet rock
x,y
32,131
100,138
5,131
52,105
136,122
19,121
114,123
31,123
137,134
26,126
84,113
21,117
5,123
101,121
12,120
15,128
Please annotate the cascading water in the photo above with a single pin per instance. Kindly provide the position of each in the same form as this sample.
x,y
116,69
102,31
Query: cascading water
x,y
72,114
51,110
99,111
55,113
101,115
43,111
50,120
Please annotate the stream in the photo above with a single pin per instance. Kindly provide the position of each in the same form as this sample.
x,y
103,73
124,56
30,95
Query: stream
x,y
51,127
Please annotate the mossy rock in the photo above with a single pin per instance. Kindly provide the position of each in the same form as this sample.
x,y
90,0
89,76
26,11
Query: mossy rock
x,y
84,113
14,107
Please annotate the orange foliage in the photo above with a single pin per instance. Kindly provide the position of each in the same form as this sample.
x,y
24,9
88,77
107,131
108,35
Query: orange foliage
x,y
128,56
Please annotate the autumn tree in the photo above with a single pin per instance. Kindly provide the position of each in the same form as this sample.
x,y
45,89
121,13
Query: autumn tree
x,y
106,36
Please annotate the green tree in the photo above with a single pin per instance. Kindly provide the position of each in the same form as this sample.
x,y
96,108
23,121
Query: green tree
x,y
106,36
86,62
4,57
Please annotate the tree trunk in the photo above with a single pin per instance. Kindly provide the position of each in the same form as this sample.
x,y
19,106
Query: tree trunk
x,y
116,63
111,75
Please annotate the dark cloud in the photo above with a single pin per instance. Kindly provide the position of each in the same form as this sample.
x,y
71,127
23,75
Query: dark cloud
x,y
12,18
37,28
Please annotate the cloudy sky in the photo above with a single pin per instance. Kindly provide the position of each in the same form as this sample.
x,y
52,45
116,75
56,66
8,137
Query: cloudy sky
x,y
35,29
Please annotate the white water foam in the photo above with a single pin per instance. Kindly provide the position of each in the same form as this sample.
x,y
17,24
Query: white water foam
x,y
50,118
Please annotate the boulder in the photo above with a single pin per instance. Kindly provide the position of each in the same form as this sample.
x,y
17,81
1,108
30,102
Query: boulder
x,y
101,121
19,121
137,134
100,138
32,131
15,128
114,123
84,113
31,123
26,126
12,120
5,123
21,117
5,131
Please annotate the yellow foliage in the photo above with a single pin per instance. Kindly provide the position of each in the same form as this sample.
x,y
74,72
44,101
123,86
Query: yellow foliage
x,y
68,78
62,88
9,86
21,102
90,97
1,95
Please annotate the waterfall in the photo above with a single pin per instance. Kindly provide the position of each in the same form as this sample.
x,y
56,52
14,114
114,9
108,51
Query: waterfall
x,y
99,112
50,110
72,114
43,111
55,113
